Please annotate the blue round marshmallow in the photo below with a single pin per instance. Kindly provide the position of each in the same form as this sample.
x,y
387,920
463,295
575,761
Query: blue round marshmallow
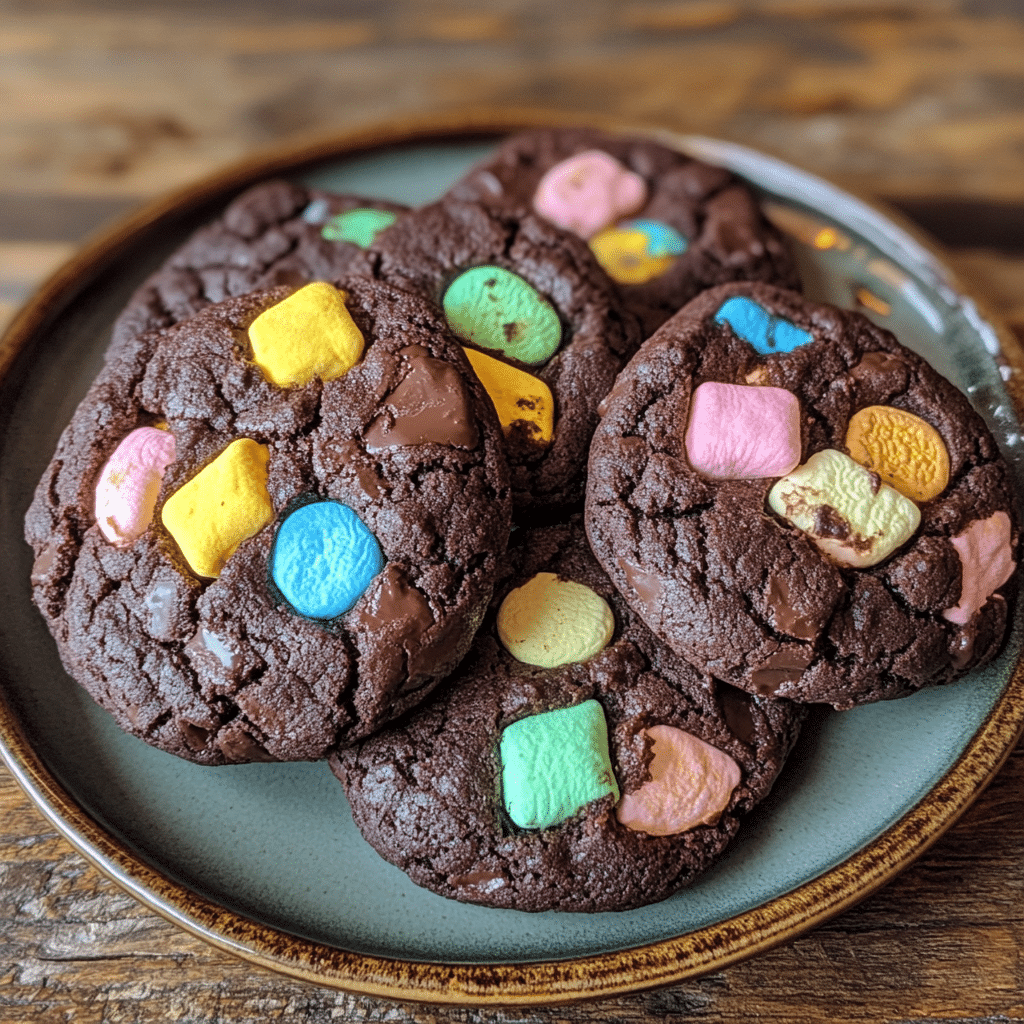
x,y
324,559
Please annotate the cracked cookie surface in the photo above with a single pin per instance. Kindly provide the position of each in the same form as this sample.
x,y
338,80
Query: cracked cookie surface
x,y
272,234
430,248
753,598
427,791
726,236
222,669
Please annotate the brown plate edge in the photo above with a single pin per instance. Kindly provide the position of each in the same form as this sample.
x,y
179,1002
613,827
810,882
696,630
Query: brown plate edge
x,y
539,983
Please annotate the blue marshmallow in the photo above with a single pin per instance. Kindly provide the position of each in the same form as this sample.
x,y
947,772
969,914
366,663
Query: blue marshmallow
x,y
788,336
324,559
754,324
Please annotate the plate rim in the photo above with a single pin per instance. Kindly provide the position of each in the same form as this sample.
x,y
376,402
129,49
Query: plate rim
x,y
548,982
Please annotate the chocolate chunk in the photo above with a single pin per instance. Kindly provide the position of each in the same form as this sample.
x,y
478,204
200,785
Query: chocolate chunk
x,y
428,406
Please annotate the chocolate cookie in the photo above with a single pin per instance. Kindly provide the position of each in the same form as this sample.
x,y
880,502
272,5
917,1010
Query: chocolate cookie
x,y
542,325
663,225
275,527
275,233
573,762
799,504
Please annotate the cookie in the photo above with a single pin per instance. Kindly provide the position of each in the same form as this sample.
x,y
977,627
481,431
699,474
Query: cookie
x,y
276,233
663,225
585,768
800,505
541,323
274,527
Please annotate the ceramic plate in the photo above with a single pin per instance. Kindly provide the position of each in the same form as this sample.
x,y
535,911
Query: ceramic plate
x,y
264,860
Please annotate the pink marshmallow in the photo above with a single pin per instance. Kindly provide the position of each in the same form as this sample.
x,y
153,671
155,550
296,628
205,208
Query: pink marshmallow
x,y
129,484
588,192
737,432
691,784
986,556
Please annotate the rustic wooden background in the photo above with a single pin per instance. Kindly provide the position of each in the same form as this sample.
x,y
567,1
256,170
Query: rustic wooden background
x,y
105,104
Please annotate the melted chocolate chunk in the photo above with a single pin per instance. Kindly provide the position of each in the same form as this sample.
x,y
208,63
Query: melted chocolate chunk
x,y
829,523
787,619
160,601
429,406
783,667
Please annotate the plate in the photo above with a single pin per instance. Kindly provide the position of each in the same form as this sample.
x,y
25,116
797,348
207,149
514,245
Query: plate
x,y
264,861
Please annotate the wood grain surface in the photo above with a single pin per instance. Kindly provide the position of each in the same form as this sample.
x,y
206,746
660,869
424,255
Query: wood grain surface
x,y
106,104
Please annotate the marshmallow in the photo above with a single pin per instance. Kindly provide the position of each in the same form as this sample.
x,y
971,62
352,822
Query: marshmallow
x,y
901,448
848,512
986,556
554,763
222,505
550,622
129,484
738,432
360,226
691,784
766,332
588,192
496,309
637,251
309,334
324,559
518,396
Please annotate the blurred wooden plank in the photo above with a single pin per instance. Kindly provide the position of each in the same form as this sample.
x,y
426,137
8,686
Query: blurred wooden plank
x,y
56,218
897,98
24,266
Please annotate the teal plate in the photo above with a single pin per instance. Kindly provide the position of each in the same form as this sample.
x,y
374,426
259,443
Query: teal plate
x,y
264,860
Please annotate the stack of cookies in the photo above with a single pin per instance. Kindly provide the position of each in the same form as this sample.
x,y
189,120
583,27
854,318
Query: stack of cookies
x,y
542,512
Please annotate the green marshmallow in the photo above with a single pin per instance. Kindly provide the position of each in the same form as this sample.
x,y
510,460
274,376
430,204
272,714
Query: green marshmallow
x,y
554,763
496,309
360,226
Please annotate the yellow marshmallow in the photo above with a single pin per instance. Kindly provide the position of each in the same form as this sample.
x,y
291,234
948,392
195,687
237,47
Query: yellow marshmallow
x,y
622,253
550,622
901,448
518,397
222,505
309,334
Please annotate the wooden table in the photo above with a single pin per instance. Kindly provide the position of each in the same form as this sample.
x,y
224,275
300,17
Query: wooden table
x,y
920,103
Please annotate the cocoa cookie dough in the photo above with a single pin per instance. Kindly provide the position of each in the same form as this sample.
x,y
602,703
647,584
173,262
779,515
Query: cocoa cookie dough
x,y
665,226
272,528
601,772
800,505
543,326
276,233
